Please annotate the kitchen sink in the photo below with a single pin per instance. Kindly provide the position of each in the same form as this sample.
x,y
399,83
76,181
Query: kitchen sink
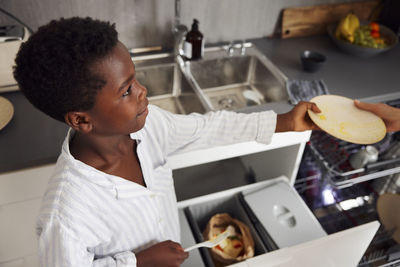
x,y
166,86
236,80
242,78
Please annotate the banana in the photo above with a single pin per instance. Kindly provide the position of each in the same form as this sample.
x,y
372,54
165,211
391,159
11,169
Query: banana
x,y
339,27
354,24
346,27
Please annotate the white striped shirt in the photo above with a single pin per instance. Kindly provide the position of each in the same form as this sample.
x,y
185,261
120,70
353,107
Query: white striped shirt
x,y
90,218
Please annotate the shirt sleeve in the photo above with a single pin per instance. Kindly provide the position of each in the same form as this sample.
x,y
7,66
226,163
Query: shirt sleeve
x,y
196,131
58,247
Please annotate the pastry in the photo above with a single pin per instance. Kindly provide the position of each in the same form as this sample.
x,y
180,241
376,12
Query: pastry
x,y
237,247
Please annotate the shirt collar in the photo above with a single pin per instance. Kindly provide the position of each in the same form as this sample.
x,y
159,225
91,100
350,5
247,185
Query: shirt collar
x,y
122,188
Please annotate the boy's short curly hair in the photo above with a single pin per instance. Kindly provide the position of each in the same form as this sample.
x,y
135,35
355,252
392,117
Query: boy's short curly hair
x,y
53,66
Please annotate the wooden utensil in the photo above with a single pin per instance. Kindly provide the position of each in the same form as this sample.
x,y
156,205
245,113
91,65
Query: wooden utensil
x,y
388,207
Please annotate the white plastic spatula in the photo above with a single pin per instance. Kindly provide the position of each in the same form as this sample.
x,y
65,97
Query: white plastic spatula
x,y
210,243
340,118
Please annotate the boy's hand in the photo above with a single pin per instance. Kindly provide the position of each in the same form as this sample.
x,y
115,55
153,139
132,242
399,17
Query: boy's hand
x,y
167,253
390,115
297,119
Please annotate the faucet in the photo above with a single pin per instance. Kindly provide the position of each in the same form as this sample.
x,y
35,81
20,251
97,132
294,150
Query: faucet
x,y
243,48
230,48
179,30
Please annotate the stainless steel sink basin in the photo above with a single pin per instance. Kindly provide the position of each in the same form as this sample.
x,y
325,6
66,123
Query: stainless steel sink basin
x,y
218,81
233,82
166,86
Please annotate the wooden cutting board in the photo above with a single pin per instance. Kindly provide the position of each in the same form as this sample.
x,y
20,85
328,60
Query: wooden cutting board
x,y
312,20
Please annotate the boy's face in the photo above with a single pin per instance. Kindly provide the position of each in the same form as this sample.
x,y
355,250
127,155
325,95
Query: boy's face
x,y
121,106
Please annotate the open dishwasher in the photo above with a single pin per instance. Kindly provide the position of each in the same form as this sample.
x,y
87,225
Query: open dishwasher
x,y
341,196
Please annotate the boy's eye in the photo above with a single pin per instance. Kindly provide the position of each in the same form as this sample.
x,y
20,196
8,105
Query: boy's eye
x,y
128,91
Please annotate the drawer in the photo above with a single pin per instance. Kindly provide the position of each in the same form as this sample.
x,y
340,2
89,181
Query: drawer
x,y
17,232
213,177
254,204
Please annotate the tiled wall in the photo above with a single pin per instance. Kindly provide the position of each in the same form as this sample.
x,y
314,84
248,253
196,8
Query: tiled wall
x,y
144,23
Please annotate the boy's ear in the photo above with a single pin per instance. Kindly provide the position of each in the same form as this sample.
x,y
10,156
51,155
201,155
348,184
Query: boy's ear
x,y
79,121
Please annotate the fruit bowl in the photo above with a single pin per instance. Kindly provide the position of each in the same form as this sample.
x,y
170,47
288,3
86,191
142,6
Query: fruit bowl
x,y
362,51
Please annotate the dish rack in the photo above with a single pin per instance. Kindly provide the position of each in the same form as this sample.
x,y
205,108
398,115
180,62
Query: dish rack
x,y
333,155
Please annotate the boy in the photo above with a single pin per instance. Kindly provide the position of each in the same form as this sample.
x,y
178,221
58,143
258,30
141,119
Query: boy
x,y
111,199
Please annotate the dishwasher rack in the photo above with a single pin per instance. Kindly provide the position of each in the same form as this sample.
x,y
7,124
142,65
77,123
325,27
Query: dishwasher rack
x,y
332,155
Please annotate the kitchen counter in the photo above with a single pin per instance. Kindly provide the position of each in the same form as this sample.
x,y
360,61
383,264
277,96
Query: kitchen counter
x,y
343,74
32,138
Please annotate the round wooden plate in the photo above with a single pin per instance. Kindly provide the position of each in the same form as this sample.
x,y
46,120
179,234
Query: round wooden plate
x,y
340,118
6,112
388,207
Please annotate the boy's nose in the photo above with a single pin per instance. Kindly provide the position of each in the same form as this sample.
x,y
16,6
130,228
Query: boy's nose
x,y
143,92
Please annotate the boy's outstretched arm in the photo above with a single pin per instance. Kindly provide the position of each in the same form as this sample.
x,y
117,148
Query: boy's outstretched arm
x,y
390,115
167,253
297,119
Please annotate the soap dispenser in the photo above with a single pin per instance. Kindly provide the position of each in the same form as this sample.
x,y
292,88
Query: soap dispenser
x,y
194,44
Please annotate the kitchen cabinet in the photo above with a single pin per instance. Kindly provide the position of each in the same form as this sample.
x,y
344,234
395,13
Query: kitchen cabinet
x,y
18,247
20,197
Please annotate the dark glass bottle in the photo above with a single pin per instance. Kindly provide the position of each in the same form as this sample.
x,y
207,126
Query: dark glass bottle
x,y
194,44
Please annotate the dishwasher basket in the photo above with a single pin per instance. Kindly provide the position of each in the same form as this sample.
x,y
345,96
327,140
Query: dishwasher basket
x,y
332,157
